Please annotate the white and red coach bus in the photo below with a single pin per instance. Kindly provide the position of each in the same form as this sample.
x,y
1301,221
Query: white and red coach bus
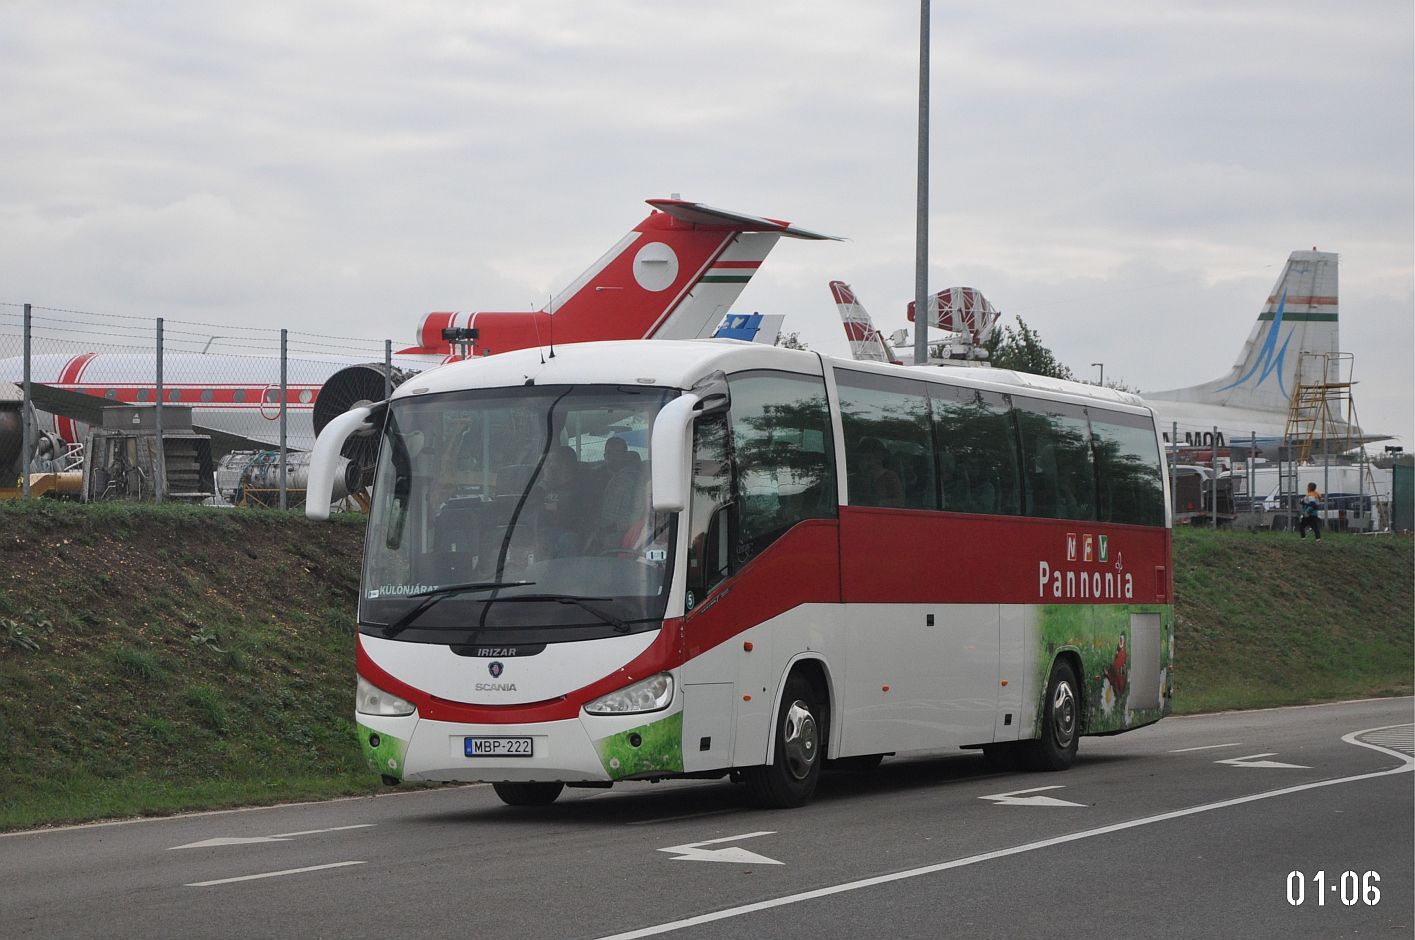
x,y
652,559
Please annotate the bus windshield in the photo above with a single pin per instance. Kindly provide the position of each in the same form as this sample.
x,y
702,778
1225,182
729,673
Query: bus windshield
x,y
522,515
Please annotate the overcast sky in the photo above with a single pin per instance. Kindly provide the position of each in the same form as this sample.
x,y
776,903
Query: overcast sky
x,y
1127,177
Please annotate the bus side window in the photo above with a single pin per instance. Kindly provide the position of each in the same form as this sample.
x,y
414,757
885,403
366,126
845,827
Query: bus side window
x,y
781,448
1128,464
889,458
711,528
977,450
1057,459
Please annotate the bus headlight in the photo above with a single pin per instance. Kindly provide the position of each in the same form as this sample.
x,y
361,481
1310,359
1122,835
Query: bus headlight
x,y
648,695
371,700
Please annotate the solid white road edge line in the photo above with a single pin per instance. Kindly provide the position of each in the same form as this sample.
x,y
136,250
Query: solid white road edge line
x,y
270,874
1407,764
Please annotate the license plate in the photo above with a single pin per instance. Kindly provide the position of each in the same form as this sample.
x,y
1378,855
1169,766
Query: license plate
x,y
499,747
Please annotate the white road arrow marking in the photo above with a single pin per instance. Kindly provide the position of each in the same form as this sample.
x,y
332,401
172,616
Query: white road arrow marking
x,y
694,851
1013,799
252,840
1252,761
1206,747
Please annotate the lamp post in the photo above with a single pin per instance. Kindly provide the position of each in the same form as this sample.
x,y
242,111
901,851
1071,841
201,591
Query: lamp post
x,y
1101,365
921,204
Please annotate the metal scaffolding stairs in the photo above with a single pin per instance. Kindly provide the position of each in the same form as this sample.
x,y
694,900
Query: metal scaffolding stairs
x,y
1322,412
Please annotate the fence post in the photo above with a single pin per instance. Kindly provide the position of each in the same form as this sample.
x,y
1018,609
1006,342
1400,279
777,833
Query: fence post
x,y
284,405
387,369
1213,462
1173,469
26,413
159,484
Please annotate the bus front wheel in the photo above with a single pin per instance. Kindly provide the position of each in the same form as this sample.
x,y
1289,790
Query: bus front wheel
x,y
528,794
1061,722
790,778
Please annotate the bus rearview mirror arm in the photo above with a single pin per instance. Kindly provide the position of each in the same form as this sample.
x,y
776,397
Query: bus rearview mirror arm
x,y
669,446
324,460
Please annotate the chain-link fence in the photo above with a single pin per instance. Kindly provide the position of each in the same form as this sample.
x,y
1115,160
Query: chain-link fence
x,y
102,406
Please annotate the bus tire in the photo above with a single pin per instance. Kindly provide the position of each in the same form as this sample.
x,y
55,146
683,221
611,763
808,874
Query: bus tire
x,y
790,778
528,794
1061,722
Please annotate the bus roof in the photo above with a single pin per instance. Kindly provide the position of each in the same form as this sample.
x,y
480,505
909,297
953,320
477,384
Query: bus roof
x,y
683,363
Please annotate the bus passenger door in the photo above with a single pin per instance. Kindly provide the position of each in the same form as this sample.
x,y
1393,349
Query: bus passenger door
x,y
709,670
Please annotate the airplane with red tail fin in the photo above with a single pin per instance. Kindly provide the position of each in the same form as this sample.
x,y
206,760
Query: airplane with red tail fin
x,y
673,276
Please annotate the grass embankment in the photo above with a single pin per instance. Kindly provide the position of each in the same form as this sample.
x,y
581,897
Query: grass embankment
x,y
154,659
1270,619
160,659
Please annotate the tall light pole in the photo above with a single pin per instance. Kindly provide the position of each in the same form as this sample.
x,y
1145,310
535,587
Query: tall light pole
x,y
1102,368
921,225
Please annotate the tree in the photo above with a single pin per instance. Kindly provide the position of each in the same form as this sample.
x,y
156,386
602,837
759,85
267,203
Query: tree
x,y
1021,349
790,341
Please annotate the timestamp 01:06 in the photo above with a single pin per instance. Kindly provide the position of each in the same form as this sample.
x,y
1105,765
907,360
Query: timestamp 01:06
x,y
1348,886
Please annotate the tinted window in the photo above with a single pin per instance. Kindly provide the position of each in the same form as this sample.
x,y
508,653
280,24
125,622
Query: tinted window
x,y
1128,465
782,447
888,442
1060,479
977,451
709,522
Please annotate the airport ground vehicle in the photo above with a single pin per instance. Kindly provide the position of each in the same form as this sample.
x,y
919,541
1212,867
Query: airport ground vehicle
x,y
640,560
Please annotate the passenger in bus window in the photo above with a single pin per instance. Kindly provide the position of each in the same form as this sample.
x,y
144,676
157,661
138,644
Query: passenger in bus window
x,y
623,509
559,501
617,456
953,481
880,484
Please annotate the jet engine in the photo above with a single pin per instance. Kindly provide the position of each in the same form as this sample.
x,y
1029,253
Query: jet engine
x,y
353,387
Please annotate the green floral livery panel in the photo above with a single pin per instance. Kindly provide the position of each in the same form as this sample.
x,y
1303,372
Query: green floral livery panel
x,y
1102,636
387,758
659,750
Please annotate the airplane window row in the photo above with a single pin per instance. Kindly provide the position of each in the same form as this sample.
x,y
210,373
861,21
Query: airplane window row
x,y
271,396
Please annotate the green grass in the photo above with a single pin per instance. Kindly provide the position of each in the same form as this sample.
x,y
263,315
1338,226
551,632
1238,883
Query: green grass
x,y
1266,619
161,659
138,664
183,658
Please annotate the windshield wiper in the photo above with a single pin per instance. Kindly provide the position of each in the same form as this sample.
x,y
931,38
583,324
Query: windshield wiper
x,y
431,597
620,626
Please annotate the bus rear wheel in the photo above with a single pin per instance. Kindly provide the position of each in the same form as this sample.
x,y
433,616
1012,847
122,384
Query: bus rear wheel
x,y
791,777
1061,722
528,794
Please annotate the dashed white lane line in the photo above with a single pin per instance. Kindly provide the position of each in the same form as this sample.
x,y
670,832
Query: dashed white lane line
x,y
1407,765
256,840
271,874
1206,747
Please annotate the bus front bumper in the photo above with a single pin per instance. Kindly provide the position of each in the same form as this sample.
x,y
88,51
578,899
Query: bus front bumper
x,y
584,749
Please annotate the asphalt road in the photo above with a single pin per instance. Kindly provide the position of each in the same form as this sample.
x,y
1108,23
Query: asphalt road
x,y
1190,828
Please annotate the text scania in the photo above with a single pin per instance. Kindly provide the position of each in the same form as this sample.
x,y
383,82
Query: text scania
x,y
496,686
1073,584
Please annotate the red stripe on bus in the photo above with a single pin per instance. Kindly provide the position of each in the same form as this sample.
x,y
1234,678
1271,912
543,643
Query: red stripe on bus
x,y
869,556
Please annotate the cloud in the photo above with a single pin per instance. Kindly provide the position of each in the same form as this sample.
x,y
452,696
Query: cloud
x,y
353,165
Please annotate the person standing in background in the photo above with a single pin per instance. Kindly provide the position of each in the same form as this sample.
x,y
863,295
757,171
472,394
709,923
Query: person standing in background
x,y
1311,513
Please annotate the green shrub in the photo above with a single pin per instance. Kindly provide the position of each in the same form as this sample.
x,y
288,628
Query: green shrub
x,y
211,711
138,664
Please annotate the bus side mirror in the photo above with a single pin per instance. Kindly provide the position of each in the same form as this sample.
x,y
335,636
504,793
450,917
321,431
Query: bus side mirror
x,y
669,446
325,459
